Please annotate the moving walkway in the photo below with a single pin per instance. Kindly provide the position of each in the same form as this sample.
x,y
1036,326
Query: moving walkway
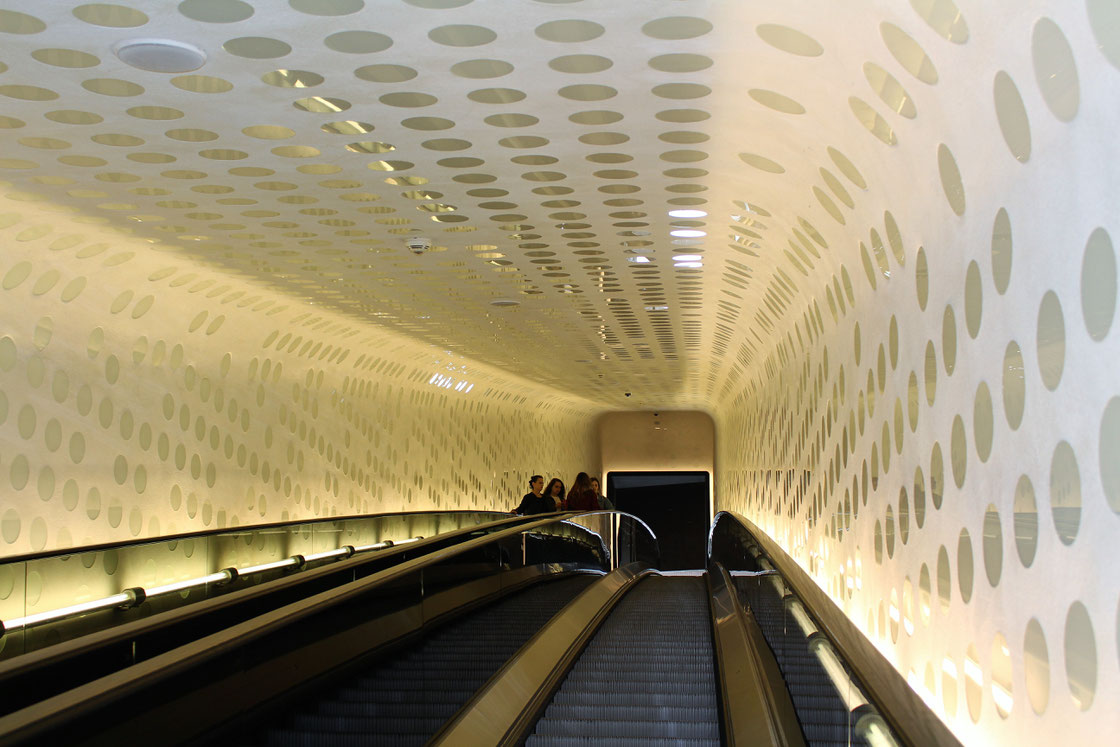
x,y
555,631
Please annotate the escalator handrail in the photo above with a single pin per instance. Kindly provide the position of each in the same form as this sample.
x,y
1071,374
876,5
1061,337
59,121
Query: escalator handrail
x,y
756,703
899,705
113,688
505,709
27,664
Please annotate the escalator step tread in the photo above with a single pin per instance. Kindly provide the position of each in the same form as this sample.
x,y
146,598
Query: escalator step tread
x,y
646,677
406,699
630,729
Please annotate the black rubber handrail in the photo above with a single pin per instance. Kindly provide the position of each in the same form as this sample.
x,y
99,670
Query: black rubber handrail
x,y
903,709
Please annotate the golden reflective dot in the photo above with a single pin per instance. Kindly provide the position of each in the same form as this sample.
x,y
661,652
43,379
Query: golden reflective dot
x,y
151,157
680,62
14,22
113,16
681,90
407,99
191,135
908,53
117,139
570,30
229,11
944,17
889,90
292,78
762,163
112,87
789,40
202,84
347,127
872,120
776,101
154,112
257,47
321,105
580,63
358,42
488,95
481,69
72,116
677,27
370,146
28,93
66,58
462,35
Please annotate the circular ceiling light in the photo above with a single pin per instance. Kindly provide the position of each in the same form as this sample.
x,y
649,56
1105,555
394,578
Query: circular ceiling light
x,y
687,214
688,233
160,55
504,303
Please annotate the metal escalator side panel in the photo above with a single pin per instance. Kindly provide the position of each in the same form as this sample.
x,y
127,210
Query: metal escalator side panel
x,y
505,708
754,700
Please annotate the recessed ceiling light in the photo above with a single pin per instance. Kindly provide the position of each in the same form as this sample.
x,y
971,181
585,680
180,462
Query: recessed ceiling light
x,y
160,55
504,303
687,214
689,264
687,258
688,233
639,260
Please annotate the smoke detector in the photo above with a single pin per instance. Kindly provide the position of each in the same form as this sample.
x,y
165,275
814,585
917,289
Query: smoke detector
x,y
160,55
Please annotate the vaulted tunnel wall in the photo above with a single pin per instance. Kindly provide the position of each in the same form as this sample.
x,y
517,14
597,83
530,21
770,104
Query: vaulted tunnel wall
x,y
934,435
143,395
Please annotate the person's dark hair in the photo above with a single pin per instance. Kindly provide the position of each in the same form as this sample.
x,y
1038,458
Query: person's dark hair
x,y
533,479
553,481
581,485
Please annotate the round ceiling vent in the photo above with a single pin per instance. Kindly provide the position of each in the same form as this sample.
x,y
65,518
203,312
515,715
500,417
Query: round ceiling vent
x,y
160,55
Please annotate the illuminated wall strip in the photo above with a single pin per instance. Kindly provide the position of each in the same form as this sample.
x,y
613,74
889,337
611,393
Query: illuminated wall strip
x,y
136,595
127,598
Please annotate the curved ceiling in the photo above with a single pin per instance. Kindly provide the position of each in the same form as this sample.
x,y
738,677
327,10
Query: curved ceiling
x,y
544,148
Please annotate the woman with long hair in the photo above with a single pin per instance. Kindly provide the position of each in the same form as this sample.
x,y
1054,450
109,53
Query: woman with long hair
x,y
582,496
555,492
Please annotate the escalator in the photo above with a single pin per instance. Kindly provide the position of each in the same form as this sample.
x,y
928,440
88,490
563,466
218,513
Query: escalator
x,y
405,700
513,638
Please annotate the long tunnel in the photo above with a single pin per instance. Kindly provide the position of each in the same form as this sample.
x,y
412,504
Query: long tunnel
x,y
271,261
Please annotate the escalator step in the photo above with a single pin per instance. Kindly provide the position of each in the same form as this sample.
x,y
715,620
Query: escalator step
x,y
403,701
646,677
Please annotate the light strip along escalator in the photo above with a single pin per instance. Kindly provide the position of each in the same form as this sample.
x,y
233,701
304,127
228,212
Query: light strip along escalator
x,y
404,700
826,719
648,675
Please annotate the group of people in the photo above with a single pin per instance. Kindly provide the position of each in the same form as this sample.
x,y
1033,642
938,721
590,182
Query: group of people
x,y
585,495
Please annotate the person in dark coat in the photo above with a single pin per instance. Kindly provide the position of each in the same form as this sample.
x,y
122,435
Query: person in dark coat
x,y
535,502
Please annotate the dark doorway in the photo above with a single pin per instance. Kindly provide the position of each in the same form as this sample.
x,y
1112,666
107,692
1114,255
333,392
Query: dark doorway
x,y
676,507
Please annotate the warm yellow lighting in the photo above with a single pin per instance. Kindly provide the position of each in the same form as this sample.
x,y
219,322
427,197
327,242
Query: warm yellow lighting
x,y
285,563
125,598
845,688
190,583
1003,699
